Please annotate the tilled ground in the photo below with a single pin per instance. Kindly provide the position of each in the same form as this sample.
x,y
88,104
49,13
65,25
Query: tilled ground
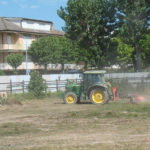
x,y
51,125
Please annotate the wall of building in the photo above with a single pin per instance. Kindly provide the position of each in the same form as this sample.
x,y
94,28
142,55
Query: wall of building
x,y
17,41
36,25
1,40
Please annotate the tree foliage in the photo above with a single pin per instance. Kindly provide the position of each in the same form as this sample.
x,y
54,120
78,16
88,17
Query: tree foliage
x,y
145,46
14,60
56,50
37,84
91,24
124,53
135,18
94,24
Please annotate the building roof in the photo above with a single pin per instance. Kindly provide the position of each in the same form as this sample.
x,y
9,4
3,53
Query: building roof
x,y
7,26
21,19
57,32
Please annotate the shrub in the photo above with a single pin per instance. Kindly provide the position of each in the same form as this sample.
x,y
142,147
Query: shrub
x,y
2,72
37,84
14,60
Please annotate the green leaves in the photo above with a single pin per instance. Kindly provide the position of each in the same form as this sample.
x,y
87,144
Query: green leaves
x,y
14,60
94,23
135,25
90,24
56,50
36,85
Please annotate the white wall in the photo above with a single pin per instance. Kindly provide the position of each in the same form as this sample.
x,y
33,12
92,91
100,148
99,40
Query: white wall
x,y
36,25
133,78
5,80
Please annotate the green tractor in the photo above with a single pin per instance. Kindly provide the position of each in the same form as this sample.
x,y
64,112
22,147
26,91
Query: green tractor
x,y
92,87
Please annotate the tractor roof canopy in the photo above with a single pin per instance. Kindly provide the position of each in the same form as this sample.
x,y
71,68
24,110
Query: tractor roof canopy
x,y
95,72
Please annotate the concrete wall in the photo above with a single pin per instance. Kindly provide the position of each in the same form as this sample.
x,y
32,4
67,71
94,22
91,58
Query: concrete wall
x,y
128,75
132,78
5,80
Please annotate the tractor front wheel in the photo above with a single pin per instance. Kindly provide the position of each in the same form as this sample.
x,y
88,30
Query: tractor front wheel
x,y
70,98
97,96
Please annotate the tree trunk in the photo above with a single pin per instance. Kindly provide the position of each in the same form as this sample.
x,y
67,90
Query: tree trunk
x,y
138,55
134,61
85,66
45,68
62,68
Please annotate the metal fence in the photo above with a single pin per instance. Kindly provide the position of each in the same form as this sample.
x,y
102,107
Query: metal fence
x,y
22,87
18,84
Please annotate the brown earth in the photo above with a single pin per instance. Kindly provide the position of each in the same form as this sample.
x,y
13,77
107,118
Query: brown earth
x,y
51,125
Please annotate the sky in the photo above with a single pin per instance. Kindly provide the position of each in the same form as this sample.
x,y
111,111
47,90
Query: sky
x,y
34,9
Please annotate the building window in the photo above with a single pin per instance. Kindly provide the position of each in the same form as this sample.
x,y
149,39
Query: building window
x,y
27,41
2,40
9,41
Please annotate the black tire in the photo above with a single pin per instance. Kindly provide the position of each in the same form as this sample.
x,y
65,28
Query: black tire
x,y
70,98
98,96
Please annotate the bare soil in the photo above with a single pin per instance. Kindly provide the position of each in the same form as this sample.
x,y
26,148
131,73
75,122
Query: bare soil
x,y
51,125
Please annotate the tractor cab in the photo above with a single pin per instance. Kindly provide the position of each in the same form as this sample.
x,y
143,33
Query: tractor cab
x,y
93,78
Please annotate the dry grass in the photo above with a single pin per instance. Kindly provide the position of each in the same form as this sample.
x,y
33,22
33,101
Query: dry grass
x,y
51,125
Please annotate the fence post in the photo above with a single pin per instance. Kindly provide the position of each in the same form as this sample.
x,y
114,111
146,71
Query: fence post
x,y
67,81
46,86
57,85
23,86
10,86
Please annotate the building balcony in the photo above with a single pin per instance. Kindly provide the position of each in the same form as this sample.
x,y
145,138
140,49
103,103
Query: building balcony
x,y
29,66
12,50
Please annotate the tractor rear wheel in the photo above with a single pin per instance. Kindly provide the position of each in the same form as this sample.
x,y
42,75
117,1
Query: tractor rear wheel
x,y
70,98
98,96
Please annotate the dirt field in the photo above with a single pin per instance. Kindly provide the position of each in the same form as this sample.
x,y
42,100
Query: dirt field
x,y
51,125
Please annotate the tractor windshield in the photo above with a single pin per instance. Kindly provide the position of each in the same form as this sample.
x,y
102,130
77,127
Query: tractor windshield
x,y
94,78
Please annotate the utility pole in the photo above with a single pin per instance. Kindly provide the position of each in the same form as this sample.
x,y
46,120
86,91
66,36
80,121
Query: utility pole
x,y
26,59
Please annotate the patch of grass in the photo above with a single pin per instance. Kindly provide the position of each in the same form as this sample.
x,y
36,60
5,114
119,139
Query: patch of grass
x,y
22,96
111,115
10,101
3,100
113,110
10,129
59,94
16,98
92,147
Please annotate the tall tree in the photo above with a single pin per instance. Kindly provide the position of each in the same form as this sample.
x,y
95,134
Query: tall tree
x,y
56,50
145,46
124,53
135,18
41,51
92,25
